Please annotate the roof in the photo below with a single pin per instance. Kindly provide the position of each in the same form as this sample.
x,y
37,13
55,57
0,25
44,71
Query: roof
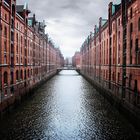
x,y
19,8
115,8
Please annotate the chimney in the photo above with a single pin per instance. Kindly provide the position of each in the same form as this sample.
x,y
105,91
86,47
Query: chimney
x,y
100,23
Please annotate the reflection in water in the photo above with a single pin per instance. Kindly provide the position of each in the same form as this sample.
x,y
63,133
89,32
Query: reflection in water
x,y
66,108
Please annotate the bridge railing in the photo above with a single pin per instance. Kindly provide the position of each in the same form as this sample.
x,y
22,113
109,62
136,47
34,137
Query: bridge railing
x,y
67,68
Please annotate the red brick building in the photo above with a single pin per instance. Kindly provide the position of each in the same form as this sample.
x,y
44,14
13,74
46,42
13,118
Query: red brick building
x,y
111,54
27,56
76,60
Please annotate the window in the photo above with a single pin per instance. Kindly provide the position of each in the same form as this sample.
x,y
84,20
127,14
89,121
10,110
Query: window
x,y
136,86
139,24
21,74
137,52
131,13
17,38
12,78
5,59
131,27
131,45
137,45
119,22
12,36
17,25
5,31
31,71
28,73
6,17
25,74
17,75
119,35
5,46
5,78
118,78
130,79
17,59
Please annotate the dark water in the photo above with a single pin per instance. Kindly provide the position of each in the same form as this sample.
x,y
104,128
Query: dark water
x,y
66,108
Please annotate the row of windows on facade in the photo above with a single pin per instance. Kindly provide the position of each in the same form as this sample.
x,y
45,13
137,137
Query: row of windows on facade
x,y
105,74
131,28
137,54
135,88
18,76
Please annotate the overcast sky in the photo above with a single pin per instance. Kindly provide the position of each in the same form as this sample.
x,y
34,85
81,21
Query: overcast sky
x,y
69,22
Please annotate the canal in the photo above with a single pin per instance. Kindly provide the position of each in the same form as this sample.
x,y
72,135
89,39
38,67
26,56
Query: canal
x,y
65,108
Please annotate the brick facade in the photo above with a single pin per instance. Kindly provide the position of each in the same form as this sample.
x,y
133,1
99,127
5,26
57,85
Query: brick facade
x,y
76,60
111,54
27,56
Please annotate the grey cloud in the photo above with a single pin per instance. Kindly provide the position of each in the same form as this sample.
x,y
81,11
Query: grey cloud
x,y
69,21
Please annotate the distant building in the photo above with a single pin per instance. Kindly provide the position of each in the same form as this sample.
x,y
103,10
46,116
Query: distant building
x,y
68,61
76,60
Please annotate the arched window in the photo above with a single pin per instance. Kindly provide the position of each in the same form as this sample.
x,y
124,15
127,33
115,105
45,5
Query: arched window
x,y
5,77
17,75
